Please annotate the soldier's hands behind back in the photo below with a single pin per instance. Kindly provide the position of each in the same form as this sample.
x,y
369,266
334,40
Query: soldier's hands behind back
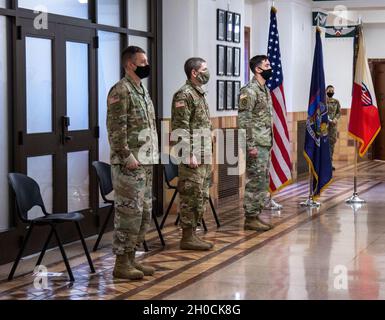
x,y
253,153
193,162
132,164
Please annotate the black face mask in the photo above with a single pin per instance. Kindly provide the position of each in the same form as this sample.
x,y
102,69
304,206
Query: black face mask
x,y
330,94
266,74
143,71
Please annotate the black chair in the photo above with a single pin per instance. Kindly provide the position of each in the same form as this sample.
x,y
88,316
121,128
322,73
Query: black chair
x,y
103,171
171,172
28,195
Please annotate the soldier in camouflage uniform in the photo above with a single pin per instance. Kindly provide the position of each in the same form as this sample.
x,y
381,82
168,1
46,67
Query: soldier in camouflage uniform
x,y
134,150
334,113
255,118
191,117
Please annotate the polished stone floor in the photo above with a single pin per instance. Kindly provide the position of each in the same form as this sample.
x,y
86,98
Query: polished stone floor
x,y
335,252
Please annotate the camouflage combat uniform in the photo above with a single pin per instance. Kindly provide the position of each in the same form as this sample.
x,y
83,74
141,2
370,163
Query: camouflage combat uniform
x,y
190,112
255,117
334,113
130,112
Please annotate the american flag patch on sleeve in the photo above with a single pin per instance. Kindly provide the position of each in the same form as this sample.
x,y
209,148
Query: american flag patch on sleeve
x,y
179,104
113,99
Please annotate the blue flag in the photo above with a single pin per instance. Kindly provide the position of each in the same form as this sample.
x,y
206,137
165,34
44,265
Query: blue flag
x,y
317,150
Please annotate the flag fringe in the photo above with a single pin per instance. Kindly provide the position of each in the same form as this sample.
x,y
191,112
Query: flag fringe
x,y
316,197
358,139
288,182
315,175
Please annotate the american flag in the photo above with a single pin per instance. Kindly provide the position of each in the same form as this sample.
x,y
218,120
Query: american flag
x,y
280,167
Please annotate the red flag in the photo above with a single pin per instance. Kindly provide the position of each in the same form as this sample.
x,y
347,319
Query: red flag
x,y
364,124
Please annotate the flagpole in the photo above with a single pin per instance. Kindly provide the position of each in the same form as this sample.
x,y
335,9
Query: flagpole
x,y
310,203
355,198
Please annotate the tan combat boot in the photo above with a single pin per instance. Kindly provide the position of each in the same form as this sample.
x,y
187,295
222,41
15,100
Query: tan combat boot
x,y
190,242
271,226
208,243
125,270
253,223
147,270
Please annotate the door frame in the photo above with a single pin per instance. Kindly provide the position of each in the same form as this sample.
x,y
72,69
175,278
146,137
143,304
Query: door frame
x,y
11,239
41,144
373,149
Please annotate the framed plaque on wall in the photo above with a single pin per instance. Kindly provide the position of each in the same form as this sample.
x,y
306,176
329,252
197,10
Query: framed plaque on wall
x,y
237,62
229,95
221,25
221,95
229,61
237,27
229,26
236,92
221,60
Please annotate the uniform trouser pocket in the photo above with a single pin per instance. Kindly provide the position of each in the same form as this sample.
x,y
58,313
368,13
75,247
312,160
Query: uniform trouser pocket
x,y
257,182
133,206
193,187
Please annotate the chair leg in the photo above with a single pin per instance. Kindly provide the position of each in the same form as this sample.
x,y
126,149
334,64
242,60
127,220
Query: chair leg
x,y
168,209
177,220
85,247
20,254
204,225
159,230
68,267
214,212
145,246
42,253
103,229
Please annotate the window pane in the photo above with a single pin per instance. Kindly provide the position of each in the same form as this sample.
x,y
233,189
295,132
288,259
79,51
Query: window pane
x,y
138,15
144,44
78,181
77,85
108,12
40,169
72,8
109,74
2,4
4,213
39,84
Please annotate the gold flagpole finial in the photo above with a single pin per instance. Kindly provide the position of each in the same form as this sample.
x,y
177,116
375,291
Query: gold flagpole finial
x,y
273,8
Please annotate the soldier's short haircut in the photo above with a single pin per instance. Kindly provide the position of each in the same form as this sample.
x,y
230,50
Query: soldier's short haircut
x,y
192,64
329,86
129,53
257,61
